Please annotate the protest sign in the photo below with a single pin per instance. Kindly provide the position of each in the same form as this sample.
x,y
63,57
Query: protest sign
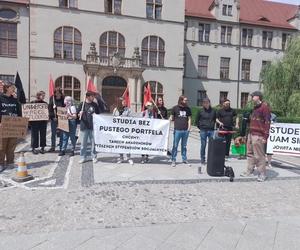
x,y
14,127
63,122
284,139
130,135
35,111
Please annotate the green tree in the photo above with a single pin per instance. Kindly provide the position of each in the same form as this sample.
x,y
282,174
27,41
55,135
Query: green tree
x,y
281,79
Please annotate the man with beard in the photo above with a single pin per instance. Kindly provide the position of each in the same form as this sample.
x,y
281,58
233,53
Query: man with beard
x,y
225,119
257,137
182,116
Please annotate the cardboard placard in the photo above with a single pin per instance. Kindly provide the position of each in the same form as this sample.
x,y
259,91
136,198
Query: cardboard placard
x,y
14,127
63,122
35,111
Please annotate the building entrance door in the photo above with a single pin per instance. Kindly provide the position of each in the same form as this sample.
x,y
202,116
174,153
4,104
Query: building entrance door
x,y
113,88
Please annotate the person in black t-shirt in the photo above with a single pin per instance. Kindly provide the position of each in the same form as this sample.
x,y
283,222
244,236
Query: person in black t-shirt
x,y
86,111
181,114
226,122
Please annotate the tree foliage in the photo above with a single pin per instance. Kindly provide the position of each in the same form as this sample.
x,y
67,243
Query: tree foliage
x,y
282,78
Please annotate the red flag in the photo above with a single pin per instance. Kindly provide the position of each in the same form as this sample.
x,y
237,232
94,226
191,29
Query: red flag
x,y
147,95
126,96
91,87
51,87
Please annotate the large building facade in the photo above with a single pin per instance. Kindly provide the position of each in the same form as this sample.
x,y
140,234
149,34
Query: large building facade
x,y
213,48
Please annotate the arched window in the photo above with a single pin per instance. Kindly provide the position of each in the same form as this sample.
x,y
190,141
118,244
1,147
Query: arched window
x,y
112,42
70,86
157,89
153,51
67,43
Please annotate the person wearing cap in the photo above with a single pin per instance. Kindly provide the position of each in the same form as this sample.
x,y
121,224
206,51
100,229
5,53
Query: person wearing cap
x,y
260,119
206,119
86,110
225,120
182,116
9,106
149,113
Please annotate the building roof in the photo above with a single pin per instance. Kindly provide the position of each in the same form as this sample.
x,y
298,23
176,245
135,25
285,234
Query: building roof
x,y
257,12
16,1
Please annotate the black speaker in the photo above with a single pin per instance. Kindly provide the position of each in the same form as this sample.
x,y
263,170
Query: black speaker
x,y
216,156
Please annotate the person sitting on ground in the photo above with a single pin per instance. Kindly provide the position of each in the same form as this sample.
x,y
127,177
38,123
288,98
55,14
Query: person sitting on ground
x,y
123,110
9,106
38,128
72,119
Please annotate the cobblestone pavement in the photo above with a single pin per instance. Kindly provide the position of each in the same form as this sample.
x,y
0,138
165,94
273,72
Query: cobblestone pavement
x,y
72,200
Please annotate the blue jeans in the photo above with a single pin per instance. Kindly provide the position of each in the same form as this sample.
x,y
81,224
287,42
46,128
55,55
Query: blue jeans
x,y
71,134
85,135
183,136
204,135
53,124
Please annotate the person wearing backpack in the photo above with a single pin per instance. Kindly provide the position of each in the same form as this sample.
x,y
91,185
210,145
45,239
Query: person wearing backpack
x,y
72,119
206,119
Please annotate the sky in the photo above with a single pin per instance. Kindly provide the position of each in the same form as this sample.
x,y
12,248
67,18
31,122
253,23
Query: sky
x,y
288,1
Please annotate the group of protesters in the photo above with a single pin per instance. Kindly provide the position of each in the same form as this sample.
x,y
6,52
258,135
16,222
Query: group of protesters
x,y
207,120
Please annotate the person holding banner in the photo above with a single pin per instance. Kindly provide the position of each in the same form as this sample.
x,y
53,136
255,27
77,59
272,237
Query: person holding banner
x,y
72,117
86,110
9,106
182,117
38,128
123,110
257,137
57,100
162,112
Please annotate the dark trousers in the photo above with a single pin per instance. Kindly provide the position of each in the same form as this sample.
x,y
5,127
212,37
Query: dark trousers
x,y
38,134
8,148
228,138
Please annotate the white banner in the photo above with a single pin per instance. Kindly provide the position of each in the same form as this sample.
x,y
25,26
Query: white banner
x,y
131,135
284,139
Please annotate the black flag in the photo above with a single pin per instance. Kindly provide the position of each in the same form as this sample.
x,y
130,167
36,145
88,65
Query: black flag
x,y
19,86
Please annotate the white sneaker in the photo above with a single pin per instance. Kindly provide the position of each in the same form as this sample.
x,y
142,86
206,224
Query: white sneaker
x,y
246,174
119,161
82,161
261,178
95,160
173,164
130,162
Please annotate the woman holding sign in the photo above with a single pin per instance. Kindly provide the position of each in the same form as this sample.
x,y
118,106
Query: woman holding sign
x,y
9,106
38,128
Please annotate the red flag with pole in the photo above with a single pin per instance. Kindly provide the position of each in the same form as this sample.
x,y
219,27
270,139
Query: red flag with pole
x,y
126,97
51,87
147,95
91,87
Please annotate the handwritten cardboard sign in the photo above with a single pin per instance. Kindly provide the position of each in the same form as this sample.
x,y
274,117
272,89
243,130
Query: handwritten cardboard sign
x,y
14,127
35,111
63,122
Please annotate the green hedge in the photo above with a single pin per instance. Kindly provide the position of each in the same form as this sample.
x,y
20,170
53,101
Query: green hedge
x,y
288,119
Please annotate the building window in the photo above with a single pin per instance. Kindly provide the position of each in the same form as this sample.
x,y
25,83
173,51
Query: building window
x,y
247,35
7,78
265,64
246,69
202,66
285,40
200,96
267,39
244,99
8,39
112,42
70,86
224,68
157,89
204,32
67,43
153,9
8,14
153,51
68,3
222,97
226,32
227,10
113,6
